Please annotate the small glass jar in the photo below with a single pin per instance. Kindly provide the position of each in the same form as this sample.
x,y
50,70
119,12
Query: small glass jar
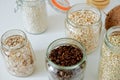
x,y
58,72
83,23
34,15
17,53
109,66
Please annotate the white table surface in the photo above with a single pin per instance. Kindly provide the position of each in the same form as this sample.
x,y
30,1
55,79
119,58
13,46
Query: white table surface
x,y
10,20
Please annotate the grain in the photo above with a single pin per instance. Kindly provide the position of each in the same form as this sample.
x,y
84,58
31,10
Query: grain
x,y
84,29
110,61
35,17
83,17
19,59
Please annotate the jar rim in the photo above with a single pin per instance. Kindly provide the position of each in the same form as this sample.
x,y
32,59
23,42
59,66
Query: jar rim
x,y
16,47
86,5
107,41
67,67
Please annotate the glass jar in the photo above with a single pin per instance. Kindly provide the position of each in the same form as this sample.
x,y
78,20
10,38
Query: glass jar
x,y
34,15
17,53
59,72
83,23
109,68
99,3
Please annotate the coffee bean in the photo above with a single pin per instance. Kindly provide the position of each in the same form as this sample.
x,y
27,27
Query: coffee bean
x,y
66,55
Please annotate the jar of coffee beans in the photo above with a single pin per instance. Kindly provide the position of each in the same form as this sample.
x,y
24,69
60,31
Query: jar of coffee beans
x,y
18,53
66,60
109,68
83,23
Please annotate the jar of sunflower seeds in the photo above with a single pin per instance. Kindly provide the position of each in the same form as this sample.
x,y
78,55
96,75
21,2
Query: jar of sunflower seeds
x,y
18,53
83,23
109,68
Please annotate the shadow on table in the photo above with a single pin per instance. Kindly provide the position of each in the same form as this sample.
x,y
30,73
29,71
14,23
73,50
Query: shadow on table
x,y
40,62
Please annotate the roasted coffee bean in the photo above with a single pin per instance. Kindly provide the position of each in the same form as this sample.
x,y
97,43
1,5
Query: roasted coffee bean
x,y
66,55
64,75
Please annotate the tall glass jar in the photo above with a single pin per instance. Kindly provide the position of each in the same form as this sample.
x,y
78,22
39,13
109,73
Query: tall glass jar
x,y
60,72
83,23
34,15
17,53
109,68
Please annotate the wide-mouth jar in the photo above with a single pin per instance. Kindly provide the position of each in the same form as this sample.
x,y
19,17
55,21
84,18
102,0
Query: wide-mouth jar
x,y
83,23
18,53
68,70
109,65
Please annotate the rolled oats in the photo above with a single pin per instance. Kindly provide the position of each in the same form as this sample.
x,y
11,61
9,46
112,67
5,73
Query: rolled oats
x,y
110,61
18,55
86,29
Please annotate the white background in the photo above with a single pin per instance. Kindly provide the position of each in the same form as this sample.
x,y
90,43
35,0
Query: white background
x,y
10,20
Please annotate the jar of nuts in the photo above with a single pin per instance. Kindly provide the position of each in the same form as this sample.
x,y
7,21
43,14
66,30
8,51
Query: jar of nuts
x,y
109,68
83,23
65,60
18,53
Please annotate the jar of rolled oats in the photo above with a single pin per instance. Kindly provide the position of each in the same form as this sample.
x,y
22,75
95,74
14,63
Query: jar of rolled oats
x,y
109,68
18,53
83,23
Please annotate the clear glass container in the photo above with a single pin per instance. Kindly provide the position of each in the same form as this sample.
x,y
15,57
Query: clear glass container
x,y
109,66
99,3
83,23
34,15
18,53
57,72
